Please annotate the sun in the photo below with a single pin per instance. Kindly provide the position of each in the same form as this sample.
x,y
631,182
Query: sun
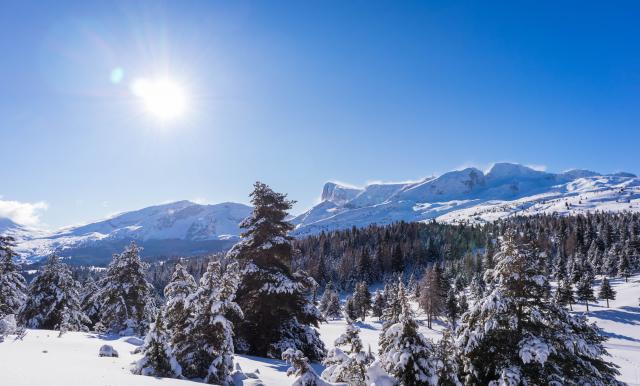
x,y
162,97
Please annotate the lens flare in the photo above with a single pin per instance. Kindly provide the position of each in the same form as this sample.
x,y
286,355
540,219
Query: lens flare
x,y
162,97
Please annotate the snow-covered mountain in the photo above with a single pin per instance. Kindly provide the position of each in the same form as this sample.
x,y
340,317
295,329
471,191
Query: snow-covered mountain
x,y
471,195
185,228
180,228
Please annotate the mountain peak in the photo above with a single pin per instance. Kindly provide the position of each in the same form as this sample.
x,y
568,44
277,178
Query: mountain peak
x,y
507,169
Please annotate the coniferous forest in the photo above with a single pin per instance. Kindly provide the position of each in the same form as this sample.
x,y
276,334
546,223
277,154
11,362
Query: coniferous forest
x,y
490,284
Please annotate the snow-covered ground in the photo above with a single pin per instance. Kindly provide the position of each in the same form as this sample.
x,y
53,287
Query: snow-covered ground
x,y
42,358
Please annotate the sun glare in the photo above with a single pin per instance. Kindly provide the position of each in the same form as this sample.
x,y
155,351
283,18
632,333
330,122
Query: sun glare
x,y
163,98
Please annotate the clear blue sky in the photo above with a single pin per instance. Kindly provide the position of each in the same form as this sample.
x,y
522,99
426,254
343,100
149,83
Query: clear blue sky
x,y
298,93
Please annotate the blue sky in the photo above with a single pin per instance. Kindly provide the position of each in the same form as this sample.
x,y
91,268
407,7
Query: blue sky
x,y
299,93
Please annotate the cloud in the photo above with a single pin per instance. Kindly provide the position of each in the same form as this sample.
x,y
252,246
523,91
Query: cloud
x,y
540,168
23,213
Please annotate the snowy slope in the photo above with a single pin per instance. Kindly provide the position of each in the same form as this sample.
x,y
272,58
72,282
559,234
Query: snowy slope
x,y
472,195
42,358
181,227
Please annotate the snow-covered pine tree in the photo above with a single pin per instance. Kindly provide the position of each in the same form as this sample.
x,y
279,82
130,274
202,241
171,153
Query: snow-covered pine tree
x,y
463,305
305,376
362,300
329,288
584,291
515,336
378,304
13,287
396,300
431,300
208,351
158,359
451,309
350,309
277,313
333,310
447,361
89,303
54,300
564,293
176,310
624,265
476,288
606,291
126,298
406,354
349,367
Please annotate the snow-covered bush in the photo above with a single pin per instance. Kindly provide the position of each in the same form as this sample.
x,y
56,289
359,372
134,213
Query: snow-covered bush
x,y
107,350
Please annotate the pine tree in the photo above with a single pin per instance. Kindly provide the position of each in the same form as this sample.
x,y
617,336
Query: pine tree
x,y
624,266
126,297
584,291
451,308
378,305
396,299
277,314
54,300
447,361
351,311
349,367
333,310
329,289
406,354
362,300
177,311
363,266
606,291
515,336
305,376
208,351
158,359
564,293
89,303
397,260
13,287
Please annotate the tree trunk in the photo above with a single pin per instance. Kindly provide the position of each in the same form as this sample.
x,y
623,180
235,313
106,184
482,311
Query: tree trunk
x,y
587,303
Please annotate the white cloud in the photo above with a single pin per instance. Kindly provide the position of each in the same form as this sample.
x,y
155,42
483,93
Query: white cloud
x,y
23,213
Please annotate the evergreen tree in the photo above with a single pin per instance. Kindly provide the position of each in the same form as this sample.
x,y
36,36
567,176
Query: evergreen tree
x,y
329,289
515,336
378,305
363,266
349,367
126,298
277,313
208,351
564,293
606,291
305,376
406,354
362,300
397,260
351,311
584,291
54,300
624,266
451,308
89,304
447,361
158,359
333,310
396,299
13,287
177,311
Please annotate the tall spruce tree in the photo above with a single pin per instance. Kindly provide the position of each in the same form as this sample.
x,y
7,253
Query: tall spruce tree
x,y
54,300
362,300
126,298
13,287
208,351
515,336
176,309
564,293
350,365
406,354
158,359
378,305
278,316
606,291
584,291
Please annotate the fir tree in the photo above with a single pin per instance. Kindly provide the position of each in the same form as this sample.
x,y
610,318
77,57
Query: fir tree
x,y
606,291
277,314
88,300
329,289
332,310
362,300
584,291
305,376
158,359
624,266
208,351
515,336
406,354
126,298
13,287
349,367
397,260
54,300
396,299
351,311
378,305
451,308
177,311
564,293
447,361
